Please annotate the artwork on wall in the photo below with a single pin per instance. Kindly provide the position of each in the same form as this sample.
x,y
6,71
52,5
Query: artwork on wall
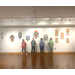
x,y
67,40
45,37
56,32
36,34
27,38
12,37
56,40
67,31
20,34
1,33
62,35
2,37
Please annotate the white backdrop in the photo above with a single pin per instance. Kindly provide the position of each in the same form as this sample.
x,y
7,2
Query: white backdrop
x,y
7,46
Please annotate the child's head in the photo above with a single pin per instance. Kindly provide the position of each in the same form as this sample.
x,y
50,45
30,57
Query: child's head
x,y
33,39
23,40
41,39
50,38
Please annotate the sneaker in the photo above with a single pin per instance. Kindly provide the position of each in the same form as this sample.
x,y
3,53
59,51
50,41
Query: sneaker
x,y
34,54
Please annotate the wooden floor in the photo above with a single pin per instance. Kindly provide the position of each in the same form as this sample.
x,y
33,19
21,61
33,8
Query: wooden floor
x,y
46,61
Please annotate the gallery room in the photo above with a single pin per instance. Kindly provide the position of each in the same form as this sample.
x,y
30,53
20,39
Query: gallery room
x,y
37,37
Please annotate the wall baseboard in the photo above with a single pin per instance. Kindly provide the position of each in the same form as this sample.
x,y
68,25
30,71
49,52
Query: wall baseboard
x,y
15,53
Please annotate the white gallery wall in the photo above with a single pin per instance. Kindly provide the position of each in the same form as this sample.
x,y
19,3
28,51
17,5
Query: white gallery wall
x,y
7,46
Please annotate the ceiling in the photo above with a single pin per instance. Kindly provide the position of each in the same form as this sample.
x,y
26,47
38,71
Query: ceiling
x,y
24,15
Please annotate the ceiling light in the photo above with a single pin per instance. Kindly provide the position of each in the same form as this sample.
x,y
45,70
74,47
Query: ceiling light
x,y
67,23
61,19
42,23
33,20
70,19
55,23
49,19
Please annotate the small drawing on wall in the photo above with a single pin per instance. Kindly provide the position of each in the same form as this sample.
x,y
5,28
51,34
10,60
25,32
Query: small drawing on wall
x,y
45,37
56,40
36,34
20,34
67,31
27,38
12,37
62,35
67,40
56,32
2,37
1,33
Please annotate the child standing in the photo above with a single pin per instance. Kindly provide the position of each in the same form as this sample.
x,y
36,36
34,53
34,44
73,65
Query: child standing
x,y
23,47
41,46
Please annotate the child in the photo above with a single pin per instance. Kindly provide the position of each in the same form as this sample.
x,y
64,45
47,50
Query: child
x,y
41,46
23,47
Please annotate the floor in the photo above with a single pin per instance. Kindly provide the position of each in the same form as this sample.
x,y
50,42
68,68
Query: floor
x,y
45,61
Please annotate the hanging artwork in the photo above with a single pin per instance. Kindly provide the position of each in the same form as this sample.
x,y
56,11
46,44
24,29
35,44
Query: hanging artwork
x,y
27,38
56,40
20,34
12,38
2,37
46,37
36,34
56,32
62,35
67,40
67,31
1,33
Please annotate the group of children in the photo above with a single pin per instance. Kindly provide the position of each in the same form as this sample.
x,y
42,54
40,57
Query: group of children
x,y
41,45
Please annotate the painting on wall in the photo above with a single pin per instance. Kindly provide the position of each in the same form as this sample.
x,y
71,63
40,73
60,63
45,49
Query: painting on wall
x,y
1,33
45,37
67,31
12,37
20,34
27,38
36,34
2,37
56,32
56,40
67,40
62,35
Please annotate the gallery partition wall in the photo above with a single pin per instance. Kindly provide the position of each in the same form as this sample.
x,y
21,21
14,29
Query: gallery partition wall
x,y
63,37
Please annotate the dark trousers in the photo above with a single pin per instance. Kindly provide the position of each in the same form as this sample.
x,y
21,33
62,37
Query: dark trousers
x,y
33,48
24,50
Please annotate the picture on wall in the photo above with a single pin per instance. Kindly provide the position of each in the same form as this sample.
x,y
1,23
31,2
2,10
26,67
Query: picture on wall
x,y
20,34
1,33
67,31
2,37
67,40
56,32
56,40
36,34
45,37
27,38
62,35
12,37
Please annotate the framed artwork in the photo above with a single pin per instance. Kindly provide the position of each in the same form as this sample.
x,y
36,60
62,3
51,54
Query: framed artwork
x,y
56,40
56,32
12,37
45,37
67,40
1,33
20,34
67,31
27,38
2,37
36,34
62,35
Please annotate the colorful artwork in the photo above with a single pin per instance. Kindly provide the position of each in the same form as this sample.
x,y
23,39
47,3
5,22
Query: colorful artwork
x,y
62,35
67,40
27,38
67,31
1,33
12,38
56,40
20,34
36,34
46,37
56,32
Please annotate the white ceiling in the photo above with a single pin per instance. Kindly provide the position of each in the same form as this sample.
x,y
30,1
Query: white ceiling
x,y
43,14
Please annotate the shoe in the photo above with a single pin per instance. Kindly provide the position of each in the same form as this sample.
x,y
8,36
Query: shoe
x,y
34,54
26,53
